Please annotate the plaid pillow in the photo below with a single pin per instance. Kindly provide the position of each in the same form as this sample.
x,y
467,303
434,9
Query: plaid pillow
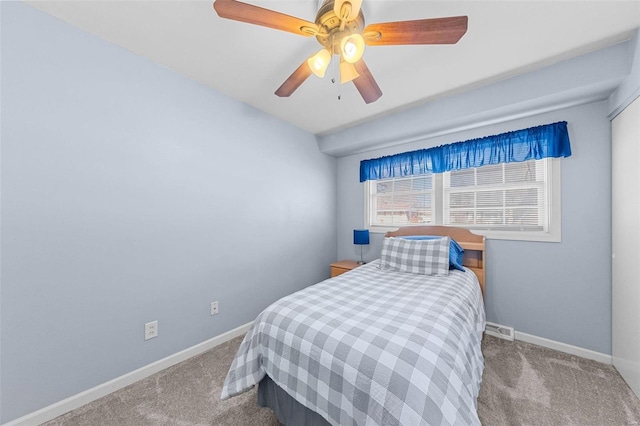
x,y
425,257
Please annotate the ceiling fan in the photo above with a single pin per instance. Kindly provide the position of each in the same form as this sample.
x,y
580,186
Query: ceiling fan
x,y
339,27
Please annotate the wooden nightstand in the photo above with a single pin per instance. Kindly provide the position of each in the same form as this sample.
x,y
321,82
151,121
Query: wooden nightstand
x,y
343,266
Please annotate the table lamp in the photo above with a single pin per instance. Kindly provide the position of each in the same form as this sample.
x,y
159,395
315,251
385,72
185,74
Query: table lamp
x,y
361,237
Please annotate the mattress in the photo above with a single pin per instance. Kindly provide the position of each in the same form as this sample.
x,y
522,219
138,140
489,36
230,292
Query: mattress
x,y
373,347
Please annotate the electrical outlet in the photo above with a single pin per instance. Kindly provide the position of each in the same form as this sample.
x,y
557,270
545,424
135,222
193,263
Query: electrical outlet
x,y
150,330
214,307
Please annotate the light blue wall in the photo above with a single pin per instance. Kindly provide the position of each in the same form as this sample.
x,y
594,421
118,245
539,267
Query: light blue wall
x,y
629,89
132,194
560,291
576,81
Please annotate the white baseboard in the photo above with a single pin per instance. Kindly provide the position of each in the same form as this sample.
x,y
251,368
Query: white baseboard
x,y
57,409
563,347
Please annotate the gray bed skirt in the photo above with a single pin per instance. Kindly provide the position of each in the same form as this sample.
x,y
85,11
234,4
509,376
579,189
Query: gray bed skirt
x,y
289,411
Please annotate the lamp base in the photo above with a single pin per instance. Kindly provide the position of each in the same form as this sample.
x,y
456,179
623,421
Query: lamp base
x,y
360,262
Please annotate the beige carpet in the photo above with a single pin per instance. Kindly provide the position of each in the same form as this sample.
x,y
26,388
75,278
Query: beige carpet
x,y
522,384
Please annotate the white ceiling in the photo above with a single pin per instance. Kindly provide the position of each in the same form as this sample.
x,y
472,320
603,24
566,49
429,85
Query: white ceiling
x,y
248,62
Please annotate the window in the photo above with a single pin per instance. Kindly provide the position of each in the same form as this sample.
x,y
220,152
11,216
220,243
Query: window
x,y
518,201
503,186
402,201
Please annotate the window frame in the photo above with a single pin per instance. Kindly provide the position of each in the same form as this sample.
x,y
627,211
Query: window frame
x,y
554,210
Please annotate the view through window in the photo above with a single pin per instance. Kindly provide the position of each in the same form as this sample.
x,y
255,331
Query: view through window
x,y
508,197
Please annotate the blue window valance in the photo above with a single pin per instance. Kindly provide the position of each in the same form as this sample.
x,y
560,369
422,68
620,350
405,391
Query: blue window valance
x,y
535,143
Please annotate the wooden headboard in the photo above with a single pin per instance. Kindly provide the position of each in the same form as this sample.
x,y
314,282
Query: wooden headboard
x,y
472,244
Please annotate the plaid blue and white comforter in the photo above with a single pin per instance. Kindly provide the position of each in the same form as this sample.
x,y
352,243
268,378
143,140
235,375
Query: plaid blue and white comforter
x,y
372,347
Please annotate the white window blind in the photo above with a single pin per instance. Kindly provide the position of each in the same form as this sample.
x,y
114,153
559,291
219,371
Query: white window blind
x,y
401,201
508,196
510,200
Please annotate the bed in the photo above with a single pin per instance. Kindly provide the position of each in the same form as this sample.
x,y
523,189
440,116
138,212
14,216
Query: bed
x,y
376,345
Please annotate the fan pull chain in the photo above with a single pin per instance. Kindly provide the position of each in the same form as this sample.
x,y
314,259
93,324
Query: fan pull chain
x,y
336,76
335,72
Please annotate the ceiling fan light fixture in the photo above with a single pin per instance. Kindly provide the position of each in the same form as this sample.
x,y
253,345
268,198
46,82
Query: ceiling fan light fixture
x,y
352,48
319,62
348,72
340,28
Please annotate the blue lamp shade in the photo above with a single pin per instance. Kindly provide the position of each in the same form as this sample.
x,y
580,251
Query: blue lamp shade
x,y
361,236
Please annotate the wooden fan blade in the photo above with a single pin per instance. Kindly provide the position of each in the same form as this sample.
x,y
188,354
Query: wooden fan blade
x,y
366,84
294,81
238,11
421,31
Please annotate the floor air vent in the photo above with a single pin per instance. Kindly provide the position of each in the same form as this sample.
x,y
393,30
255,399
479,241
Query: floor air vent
x,y
500,331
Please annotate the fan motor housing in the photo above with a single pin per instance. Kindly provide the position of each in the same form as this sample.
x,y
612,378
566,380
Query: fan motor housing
x,y
329,25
